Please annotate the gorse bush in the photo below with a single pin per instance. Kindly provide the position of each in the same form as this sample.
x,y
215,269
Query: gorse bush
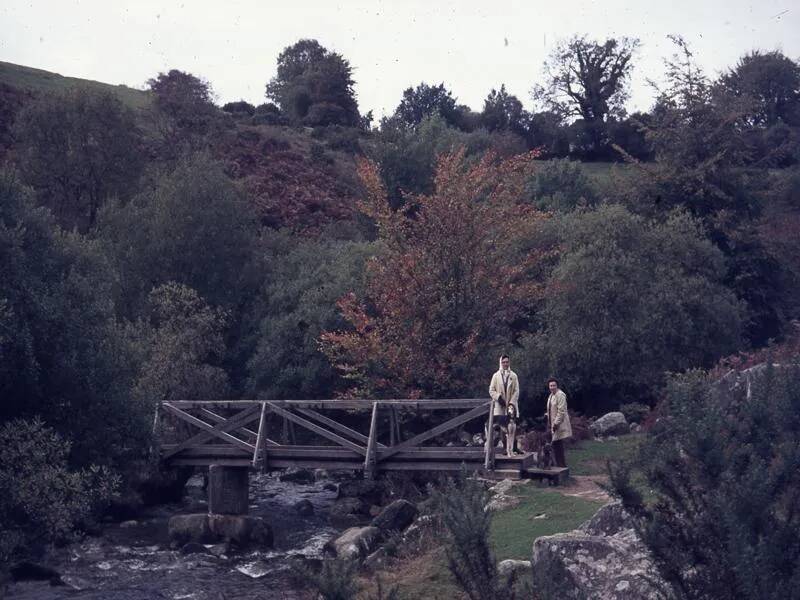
x,y
461,507
335,581
724,473
470,558
43,500
635,412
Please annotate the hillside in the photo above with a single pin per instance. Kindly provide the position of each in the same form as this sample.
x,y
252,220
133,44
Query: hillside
x,y
295,178
36,81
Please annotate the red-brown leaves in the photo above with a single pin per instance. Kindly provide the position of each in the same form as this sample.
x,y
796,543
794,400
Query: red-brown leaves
x,y
448,284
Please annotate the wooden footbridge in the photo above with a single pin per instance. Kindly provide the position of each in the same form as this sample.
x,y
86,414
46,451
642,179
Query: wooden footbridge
x,y
261,435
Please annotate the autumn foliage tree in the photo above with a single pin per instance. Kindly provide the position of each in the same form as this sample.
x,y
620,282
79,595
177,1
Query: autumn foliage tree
x,y
455,275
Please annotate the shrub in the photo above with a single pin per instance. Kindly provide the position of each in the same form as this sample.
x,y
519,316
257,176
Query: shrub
x,y
561,185
723,469
318,154
631,299
580,427
635,412
470,557
335,581
43,500
461,505
239,108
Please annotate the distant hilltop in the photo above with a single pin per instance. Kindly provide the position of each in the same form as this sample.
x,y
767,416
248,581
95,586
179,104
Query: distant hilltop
x,y
38,81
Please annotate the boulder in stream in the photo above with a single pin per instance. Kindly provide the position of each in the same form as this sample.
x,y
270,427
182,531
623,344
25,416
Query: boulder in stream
x,y
242,530
354,543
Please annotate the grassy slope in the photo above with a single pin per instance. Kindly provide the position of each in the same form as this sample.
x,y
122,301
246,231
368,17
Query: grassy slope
x,y
40,81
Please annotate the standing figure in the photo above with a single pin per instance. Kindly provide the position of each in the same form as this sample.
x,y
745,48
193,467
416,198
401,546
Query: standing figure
x,y
558,420
504,390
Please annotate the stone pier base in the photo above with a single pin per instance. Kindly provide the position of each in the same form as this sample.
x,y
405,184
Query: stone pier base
x,y
228,490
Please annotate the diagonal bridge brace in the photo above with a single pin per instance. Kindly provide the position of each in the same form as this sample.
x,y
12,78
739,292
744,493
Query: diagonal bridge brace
x,y
209,431
426,435
317,429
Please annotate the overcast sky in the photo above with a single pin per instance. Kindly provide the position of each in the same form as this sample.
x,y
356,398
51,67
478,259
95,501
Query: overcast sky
x,y
469,45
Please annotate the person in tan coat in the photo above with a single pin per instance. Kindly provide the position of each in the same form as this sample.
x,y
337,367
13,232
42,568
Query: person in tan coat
x,y
558,420
504,390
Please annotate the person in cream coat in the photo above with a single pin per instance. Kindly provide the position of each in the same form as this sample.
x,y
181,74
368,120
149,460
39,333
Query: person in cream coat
x,y
558,420
504,390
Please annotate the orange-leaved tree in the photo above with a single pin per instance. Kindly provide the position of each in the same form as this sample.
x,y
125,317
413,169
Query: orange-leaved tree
x,y
453,278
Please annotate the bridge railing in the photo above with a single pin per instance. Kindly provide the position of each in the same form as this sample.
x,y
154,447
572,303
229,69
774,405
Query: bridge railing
x,y
221,431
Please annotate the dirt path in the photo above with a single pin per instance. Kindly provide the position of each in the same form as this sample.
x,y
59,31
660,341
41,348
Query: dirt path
x,y
585,486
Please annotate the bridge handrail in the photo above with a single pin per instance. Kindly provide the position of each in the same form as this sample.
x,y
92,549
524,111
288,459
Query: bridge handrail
x,y
342,404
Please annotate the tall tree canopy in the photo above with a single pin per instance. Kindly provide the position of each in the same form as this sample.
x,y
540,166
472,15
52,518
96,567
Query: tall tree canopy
x,y
76,150
185,111
772,81
427,101
314,85
588,79
423,326
503,111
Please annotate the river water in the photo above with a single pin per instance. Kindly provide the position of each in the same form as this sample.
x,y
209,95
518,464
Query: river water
x,y
133,561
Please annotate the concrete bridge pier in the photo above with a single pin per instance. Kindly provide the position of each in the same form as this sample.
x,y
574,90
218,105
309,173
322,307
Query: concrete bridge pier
x,y
228,490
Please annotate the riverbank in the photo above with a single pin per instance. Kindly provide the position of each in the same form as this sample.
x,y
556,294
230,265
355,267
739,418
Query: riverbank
x,y
535,510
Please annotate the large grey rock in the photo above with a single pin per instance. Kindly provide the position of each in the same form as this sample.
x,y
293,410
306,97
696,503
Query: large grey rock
x,y
613,423
354,543
604,559
520,568
242,530
396,516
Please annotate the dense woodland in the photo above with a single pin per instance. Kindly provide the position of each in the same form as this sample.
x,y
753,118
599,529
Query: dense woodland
x,y
299,249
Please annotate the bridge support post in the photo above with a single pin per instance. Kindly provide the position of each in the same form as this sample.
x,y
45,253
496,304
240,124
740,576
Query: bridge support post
x,y
228,490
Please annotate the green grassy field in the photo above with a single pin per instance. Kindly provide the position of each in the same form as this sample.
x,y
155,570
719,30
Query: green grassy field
x,y
589,457
38,80
542,512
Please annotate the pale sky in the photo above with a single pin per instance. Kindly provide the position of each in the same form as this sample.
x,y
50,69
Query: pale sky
x,y
470,45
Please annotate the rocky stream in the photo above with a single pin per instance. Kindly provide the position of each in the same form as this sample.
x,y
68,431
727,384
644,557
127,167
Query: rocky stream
x,y
134,560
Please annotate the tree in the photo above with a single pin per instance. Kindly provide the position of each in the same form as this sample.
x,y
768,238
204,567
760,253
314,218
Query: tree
x,y
561,185
183,345
44,500
503,111
422,327
297,303
769,86
547,133
314,86
721,468
62,355
407,156
589,80
771,81
194,228
630,300
76,150
185,111
701,165
427,101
